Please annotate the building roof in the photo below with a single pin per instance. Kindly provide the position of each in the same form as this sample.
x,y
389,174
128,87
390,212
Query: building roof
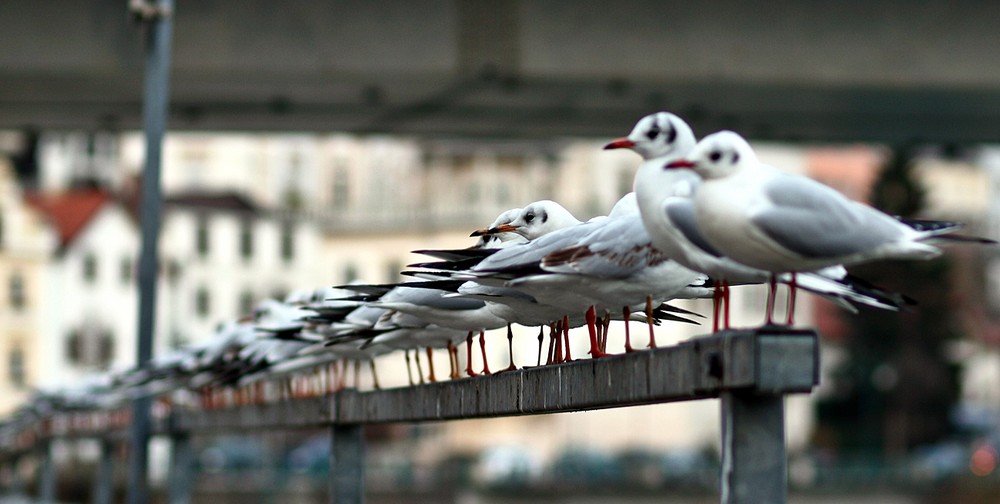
x,y
69,211
219,201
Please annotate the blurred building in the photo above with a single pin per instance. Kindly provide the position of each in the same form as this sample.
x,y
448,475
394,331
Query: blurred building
x,y
25,244
221,255
88,298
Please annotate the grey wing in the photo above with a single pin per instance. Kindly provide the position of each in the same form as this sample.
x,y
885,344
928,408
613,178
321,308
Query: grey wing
x,y
432,298
619,248
532,252
681,214
815,221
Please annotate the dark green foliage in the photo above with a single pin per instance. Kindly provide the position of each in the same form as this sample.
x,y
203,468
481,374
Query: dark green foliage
x,y
896,387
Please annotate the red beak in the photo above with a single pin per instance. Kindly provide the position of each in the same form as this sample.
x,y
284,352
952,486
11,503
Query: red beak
x,y
680,163
502,228
620,143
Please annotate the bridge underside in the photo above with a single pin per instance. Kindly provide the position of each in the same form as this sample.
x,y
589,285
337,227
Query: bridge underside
x,y
895,71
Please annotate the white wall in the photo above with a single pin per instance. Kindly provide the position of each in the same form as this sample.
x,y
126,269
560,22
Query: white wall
x,y
108,301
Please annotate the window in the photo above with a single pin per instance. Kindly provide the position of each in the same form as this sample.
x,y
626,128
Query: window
x,y
15,366
287,241
201,236
90,346
173,270
125,270
341,187
245,303
392,269
89,268
17,291
202,302
246,239
350,273
293,198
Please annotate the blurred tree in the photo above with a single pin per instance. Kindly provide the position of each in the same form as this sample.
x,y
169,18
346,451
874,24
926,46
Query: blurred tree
x,y
896,387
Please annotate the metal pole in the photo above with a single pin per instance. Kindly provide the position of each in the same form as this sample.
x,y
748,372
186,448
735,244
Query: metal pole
x,y
7,469
181,463
104,485
753,449
347,464
158,25
16,481
47,475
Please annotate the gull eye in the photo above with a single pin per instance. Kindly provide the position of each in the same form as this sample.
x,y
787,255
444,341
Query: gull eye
x,y
653,132
715,155
529,217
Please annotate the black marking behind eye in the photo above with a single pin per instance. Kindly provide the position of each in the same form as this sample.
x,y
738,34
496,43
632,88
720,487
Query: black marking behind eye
x,y
715,155
672,135
653,132
545,217
736,157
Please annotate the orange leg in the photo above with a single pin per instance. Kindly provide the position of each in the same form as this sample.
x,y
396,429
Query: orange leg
x,y
452,361
420,368
626,313
604,333
595,345
510,349
718,294
541,338
371,365
772,286
792,288
569,356
725,301
430,365
468,355
558,356
482,348
409,371
649,320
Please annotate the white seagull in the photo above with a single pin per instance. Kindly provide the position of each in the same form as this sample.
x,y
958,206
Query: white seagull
x,y
779,222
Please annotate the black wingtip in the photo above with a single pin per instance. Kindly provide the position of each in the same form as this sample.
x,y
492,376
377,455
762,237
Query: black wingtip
x,y
673,309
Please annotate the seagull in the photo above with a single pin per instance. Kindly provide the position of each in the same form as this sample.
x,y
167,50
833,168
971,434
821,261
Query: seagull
x,y
431,305
779,222
406,332
535,220
665,204
603,263
514,227
497,239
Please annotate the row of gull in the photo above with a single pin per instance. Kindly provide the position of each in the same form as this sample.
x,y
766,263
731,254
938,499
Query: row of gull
x,y
704,217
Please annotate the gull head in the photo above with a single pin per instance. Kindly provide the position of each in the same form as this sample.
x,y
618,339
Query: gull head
x,y
657,135
499,231
717,155
504,218
540,218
